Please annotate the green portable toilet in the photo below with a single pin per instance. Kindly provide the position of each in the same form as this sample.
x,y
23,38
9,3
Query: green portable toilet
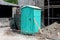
x,y
28,15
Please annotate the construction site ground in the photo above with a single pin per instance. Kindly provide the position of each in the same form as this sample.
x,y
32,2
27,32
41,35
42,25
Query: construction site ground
x,y
51,32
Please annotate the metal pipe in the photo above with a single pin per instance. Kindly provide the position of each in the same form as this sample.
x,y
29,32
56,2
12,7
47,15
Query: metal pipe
x,y
48,10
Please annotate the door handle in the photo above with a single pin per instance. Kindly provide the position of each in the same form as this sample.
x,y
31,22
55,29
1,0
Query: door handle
x,y
29,19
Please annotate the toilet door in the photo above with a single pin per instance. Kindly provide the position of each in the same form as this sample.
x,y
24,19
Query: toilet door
x,y
30,23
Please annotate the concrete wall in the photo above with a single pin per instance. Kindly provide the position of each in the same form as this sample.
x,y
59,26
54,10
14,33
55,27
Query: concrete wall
x,y
25,2
4,22
39,3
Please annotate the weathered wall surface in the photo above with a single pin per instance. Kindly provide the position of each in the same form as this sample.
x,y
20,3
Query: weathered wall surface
x,y
39,3
4,22
25,2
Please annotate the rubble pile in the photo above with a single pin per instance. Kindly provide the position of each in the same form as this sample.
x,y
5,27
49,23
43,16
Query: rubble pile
x,y
51,32
4,22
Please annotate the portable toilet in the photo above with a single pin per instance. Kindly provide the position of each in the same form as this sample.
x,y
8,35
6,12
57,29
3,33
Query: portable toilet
x,y
28,15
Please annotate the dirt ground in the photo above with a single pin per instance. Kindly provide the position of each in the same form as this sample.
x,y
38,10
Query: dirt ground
x,y
7,34
51,32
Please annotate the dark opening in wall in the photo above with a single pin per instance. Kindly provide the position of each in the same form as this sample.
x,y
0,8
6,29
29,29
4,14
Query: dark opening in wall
x,y
45,22
56,13
52,2
54,16
5,11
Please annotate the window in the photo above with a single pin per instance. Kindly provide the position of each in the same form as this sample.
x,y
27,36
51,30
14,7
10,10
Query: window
x,y
5,11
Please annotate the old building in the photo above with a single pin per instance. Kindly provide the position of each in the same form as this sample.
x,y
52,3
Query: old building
x,y
6,12
53,15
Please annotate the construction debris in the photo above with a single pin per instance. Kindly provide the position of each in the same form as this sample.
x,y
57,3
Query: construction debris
x,y
51,32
